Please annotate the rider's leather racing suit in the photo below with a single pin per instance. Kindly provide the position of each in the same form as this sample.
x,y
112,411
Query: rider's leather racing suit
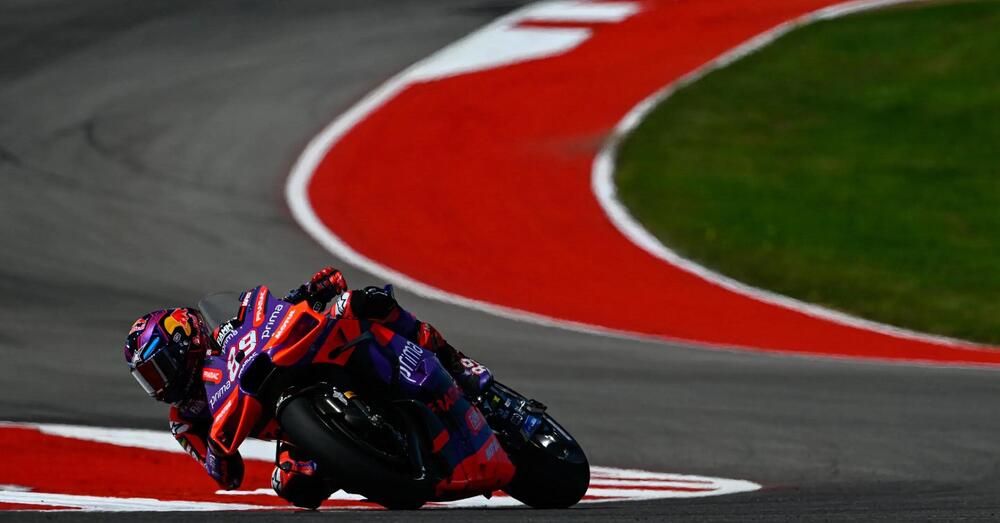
x,y
295,477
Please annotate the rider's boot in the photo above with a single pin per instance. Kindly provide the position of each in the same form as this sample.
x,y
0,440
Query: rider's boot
x,y
298,480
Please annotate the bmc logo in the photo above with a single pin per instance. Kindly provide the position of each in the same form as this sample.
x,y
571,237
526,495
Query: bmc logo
x,y
211,375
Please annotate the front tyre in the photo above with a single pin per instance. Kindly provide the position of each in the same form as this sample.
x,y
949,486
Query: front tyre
x,y
347,458
552,470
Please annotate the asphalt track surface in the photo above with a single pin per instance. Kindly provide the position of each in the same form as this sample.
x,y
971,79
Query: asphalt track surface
x,y
144,148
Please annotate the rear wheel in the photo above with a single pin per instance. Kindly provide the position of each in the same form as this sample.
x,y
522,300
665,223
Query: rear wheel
x,y
552,470
367,464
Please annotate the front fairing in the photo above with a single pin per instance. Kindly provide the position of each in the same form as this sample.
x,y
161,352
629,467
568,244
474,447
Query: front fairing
x,y
273,329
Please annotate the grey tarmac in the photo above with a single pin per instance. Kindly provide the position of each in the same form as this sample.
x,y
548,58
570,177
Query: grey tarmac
x,y
144,148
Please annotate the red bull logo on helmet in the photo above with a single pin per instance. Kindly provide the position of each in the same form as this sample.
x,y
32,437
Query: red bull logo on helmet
x,y
178,319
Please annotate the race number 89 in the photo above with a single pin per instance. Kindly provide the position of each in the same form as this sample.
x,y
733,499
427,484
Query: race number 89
x,y
247,344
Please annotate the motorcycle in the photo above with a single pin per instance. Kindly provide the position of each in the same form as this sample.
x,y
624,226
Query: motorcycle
x,y
381,415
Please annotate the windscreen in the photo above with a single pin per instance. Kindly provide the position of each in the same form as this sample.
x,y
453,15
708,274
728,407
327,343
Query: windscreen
x,y
219,308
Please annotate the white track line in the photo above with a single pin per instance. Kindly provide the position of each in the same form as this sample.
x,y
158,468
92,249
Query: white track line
x,y
603,186
611,483
80,503
296,194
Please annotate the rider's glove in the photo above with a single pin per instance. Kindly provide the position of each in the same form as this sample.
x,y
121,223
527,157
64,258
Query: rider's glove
x,y
372,303
324,286
327,284
227,471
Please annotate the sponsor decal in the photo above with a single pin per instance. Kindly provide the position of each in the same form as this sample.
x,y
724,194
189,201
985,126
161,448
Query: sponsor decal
x,y
474,419
226,333
266,333
244,304
211,375
246,363
227,406
258,313
284,324
492,449
409,359
219,394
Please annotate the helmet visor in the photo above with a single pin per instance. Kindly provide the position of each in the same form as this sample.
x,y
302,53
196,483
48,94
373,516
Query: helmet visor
x,y
157,369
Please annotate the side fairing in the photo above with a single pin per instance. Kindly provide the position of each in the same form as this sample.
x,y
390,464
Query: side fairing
x,y
476,461
216,381
235,413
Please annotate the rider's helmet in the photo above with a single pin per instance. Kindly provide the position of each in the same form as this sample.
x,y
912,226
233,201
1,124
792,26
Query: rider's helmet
x,y
165,350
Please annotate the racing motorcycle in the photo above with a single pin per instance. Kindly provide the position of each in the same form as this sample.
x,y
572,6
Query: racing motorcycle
x,y
381,415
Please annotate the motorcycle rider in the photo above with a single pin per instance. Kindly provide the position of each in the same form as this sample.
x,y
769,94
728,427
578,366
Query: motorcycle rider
x,y
165,351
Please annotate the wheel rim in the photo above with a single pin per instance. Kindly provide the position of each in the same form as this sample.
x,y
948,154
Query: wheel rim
x,y
396,458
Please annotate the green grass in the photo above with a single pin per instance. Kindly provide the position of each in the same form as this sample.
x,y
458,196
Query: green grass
x,y
854,163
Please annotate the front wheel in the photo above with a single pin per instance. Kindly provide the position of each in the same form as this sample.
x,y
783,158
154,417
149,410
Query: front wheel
x,y
376,471
551,469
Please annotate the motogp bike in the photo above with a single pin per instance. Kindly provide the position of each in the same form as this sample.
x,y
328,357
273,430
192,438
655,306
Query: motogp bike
x,y
380,414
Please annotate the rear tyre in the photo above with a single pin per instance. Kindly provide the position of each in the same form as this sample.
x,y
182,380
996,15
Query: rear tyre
x,y
552,470
352,463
